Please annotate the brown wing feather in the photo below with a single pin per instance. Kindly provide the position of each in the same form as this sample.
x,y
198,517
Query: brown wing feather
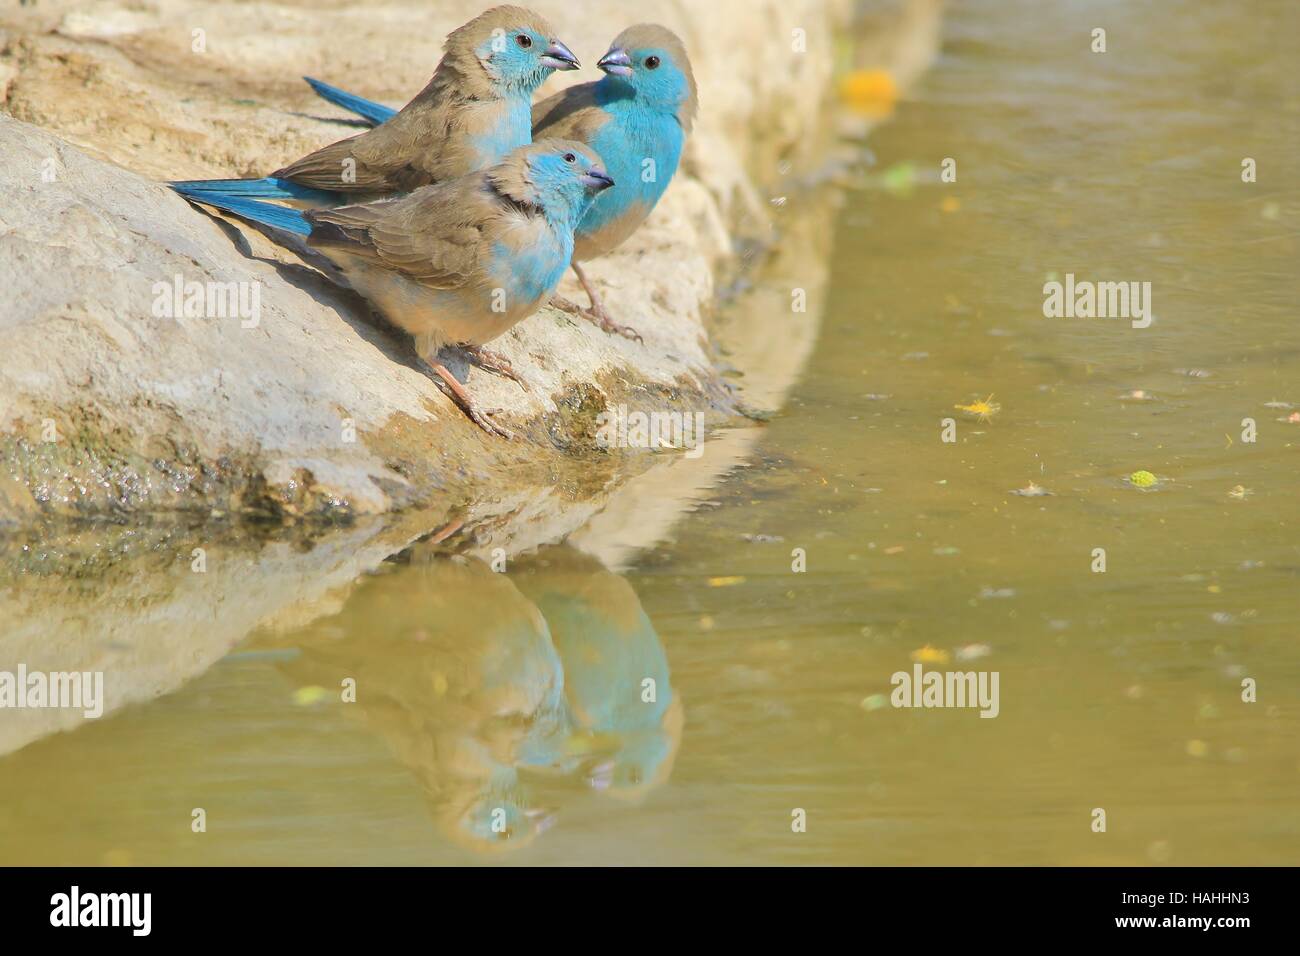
x,y
422,144
433,236
325,169
569,114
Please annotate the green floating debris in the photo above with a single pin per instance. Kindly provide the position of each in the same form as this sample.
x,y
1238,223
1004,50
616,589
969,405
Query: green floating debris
x,y
310,695
1143,479
899,178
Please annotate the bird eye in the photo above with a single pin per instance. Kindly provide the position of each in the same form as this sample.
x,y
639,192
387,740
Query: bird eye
x,y
570,158
652,63
524,40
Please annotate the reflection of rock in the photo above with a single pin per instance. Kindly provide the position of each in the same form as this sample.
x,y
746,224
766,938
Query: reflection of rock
x,y
454,668
128,602
616,680
110,98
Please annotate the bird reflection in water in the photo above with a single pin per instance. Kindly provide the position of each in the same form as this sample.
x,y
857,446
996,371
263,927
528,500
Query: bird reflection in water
x,y
477,680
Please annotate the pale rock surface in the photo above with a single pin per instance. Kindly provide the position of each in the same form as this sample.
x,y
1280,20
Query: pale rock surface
x,y
104,101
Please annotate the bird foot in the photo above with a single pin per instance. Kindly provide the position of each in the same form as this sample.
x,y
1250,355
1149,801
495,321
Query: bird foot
x,y
484,421
442,534
566,305
602,319
598,317
492,362
457,393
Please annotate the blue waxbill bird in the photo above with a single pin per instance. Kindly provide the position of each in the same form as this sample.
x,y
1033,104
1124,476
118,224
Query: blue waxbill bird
x,y
637,117
456,263
474,111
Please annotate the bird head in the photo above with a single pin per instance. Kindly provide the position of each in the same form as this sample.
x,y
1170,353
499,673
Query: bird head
x,y
495,822
650,62
516,48
558,176
643,761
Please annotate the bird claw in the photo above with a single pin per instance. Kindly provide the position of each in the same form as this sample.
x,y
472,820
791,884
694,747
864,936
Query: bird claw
x,y
566,305
597,317
456,392
607,324
483,421
492,362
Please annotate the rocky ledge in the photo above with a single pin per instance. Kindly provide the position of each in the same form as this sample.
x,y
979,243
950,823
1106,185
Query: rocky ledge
x,y
117,398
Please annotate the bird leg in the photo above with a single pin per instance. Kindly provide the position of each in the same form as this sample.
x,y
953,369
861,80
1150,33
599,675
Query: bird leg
x,y
492,362
438,537
567,305
465,403
596,313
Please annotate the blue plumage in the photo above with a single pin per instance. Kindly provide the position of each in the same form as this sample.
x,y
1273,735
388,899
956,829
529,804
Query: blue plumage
x,y
370,111
533,272
269,187
636,117
268,214
642,149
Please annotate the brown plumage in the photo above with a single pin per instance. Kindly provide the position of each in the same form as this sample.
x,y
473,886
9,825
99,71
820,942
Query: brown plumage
x,y
460,262
436,136
437,236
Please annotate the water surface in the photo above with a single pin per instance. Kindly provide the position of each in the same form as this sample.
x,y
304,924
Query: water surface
x,y
523,692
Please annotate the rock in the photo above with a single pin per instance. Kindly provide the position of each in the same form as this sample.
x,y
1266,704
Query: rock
x,y
108,404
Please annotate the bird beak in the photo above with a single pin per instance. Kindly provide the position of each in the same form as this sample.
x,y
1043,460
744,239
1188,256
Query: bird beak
x,y
559,57
541,818
616,62
596,179
601,776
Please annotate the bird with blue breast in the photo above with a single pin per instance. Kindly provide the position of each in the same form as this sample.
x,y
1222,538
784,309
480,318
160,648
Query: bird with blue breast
x,y
637,117
474,110
456,263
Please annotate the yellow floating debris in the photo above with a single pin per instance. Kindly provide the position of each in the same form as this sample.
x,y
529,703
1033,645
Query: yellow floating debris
x,y
869,92
930,655
307,696
983,409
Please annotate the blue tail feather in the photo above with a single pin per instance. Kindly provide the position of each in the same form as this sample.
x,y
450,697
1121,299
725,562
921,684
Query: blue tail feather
x,y
370,111
267,188
268,214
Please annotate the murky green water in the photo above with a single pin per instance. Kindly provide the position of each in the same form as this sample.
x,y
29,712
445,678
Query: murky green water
x,y
517,698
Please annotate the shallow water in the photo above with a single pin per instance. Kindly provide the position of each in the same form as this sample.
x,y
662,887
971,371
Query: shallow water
x,y
1119,690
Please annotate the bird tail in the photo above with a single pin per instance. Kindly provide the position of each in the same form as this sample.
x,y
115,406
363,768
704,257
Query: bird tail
x,y
266,214
370,111
268,188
